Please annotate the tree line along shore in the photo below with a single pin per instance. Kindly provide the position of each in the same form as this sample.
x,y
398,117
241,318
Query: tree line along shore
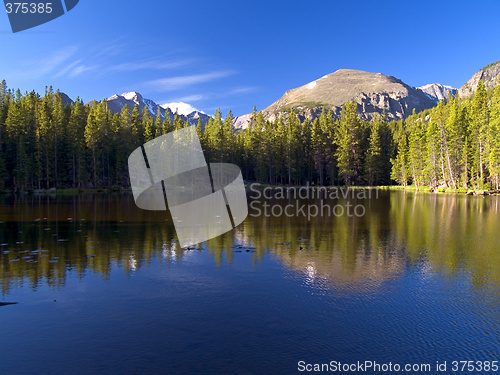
x,y
46,146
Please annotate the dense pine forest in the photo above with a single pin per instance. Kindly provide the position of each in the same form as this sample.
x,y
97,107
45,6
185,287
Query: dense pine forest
x,y
455,145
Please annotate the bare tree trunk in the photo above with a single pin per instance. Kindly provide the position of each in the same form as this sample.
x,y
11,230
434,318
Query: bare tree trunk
x,y
47,168
95,172
415,177
55,157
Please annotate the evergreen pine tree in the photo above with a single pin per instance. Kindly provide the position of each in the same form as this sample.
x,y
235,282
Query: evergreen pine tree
x,y
147,125
167,122
479,130
158,124
317,146
494,136
137,125
373,160
399,171
417,152
347,140
76,140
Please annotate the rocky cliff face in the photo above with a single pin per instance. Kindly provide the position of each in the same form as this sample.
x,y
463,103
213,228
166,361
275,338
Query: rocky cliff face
x,y
488,75
242,122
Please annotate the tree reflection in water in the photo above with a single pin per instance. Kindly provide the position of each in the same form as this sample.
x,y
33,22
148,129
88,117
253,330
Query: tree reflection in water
x,y
45,237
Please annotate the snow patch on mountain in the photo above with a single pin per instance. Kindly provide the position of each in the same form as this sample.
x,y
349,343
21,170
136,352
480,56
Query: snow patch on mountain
x,y
131,95
152,106
311,85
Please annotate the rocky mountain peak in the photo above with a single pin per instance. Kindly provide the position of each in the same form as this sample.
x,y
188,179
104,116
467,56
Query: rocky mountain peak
x,y
374,94
437,91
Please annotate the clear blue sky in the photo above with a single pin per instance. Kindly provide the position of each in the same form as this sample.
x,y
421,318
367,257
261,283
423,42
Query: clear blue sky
x,y
237,54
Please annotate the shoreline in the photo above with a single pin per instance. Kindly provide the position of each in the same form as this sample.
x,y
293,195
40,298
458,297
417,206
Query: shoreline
x,y
66,191
259,186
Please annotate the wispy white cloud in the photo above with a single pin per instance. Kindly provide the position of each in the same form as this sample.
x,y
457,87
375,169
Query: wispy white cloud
x,y
112,49
243,90
80,69
176,83
192,98
48,64
67,68
155,64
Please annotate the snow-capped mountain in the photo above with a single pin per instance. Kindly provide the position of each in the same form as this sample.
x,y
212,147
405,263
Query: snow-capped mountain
x,y
117,102
437,91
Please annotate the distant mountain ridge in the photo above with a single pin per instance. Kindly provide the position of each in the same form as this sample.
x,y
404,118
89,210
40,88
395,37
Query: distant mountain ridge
x,y
117,102
374,93
66,100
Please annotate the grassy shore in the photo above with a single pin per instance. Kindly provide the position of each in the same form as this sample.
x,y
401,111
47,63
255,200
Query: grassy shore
x,y
427,189
423,189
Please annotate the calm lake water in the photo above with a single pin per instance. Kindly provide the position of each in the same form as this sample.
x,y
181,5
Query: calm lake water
x,y
104,288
